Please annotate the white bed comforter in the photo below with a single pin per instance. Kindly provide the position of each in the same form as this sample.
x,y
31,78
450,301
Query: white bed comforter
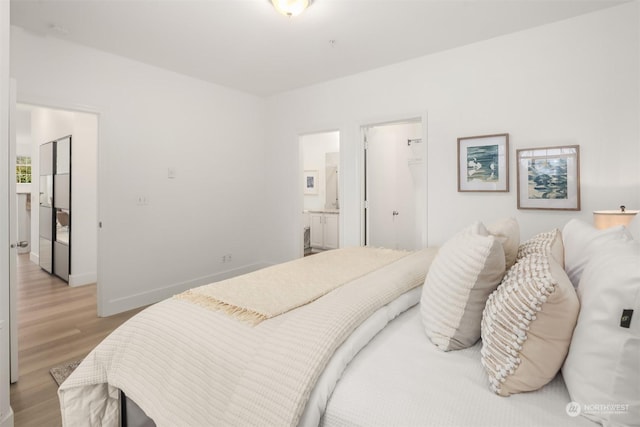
x,y
190,366
401,379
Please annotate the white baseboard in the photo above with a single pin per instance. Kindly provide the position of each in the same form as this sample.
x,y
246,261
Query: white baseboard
x,y
34,258
82,279
127,303
6,420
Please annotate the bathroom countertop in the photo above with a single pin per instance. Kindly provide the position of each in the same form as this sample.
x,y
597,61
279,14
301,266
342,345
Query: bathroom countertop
x,y
328,211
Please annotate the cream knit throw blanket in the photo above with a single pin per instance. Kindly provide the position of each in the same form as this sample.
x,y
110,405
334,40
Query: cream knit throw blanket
x,y
269,292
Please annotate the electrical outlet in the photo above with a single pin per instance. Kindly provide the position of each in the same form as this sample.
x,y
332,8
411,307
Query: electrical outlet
x,y
142,200
226,258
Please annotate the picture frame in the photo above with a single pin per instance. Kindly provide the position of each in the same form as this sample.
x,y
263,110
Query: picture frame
x,y
483,163
549,178
310,182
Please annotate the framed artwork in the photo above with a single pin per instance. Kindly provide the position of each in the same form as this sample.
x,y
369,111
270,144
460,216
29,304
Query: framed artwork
x,y
549,178
483,163
310,182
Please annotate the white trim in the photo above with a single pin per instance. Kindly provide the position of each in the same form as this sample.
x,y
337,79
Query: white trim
x,y
6,413
56,104
83,279
142,299
7,420
34,258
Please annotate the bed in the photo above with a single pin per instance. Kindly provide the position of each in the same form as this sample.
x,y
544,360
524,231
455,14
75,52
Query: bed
x,y
374,344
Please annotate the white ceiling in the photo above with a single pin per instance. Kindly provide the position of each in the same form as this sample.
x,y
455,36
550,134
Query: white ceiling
x,y
247,45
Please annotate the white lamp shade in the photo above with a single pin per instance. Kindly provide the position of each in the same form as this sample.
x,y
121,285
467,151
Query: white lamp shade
x,y
606,219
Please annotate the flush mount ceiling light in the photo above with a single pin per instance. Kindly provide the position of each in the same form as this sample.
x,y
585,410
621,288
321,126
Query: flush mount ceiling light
x,y
291,7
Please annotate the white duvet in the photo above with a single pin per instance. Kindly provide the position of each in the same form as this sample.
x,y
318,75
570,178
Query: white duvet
x,y
186,365
401,379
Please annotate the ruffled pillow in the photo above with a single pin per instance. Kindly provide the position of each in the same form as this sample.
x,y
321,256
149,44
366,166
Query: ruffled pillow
x,y
528,321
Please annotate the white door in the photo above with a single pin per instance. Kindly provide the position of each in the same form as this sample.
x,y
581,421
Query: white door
x,y
13,238
392,185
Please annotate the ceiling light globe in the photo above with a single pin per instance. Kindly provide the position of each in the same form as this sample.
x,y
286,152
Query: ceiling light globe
x,y
291,7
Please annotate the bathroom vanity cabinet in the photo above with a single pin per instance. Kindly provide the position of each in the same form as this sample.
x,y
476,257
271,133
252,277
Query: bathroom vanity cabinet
x,y
324,230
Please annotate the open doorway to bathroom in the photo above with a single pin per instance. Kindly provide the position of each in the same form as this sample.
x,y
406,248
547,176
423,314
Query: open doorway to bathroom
x,y
395,185
320,183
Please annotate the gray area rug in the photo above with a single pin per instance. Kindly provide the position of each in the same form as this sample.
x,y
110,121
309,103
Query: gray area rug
x,y
61,372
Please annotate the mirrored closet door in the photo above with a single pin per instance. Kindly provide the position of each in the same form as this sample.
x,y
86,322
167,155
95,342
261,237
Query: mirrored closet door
x,y
55,212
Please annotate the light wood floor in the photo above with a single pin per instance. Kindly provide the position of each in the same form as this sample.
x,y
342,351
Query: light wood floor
x,y
56,324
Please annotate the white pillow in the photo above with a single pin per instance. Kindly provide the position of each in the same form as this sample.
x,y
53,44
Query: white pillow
x,y
603,364
467,268
634,227
580,240
507,231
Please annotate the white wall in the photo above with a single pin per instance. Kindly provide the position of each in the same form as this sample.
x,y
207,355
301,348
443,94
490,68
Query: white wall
x,y
237,156
314,148
571,82
47,125
152,120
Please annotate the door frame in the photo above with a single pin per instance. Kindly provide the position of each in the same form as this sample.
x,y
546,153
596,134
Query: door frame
x,y
13,239
421,204
58,105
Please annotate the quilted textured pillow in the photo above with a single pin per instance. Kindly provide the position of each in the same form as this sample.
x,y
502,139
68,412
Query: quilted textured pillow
x,y
603,364
467,268
507,231
581,239
527,323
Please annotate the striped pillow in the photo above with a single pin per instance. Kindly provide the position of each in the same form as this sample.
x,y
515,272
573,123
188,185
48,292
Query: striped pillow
x,y
467,268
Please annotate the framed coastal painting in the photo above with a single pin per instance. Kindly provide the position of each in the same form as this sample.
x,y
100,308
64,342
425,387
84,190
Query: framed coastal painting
x,y
483,163
549,178
310,182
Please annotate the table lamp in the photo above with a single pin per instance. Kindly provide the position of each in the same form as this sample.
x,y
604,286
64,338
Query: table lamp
x,y
606,219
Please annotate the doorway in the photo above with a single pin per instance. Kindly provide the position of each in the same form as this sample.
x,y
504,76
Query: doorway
x,y
36,125
395,185
320,184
